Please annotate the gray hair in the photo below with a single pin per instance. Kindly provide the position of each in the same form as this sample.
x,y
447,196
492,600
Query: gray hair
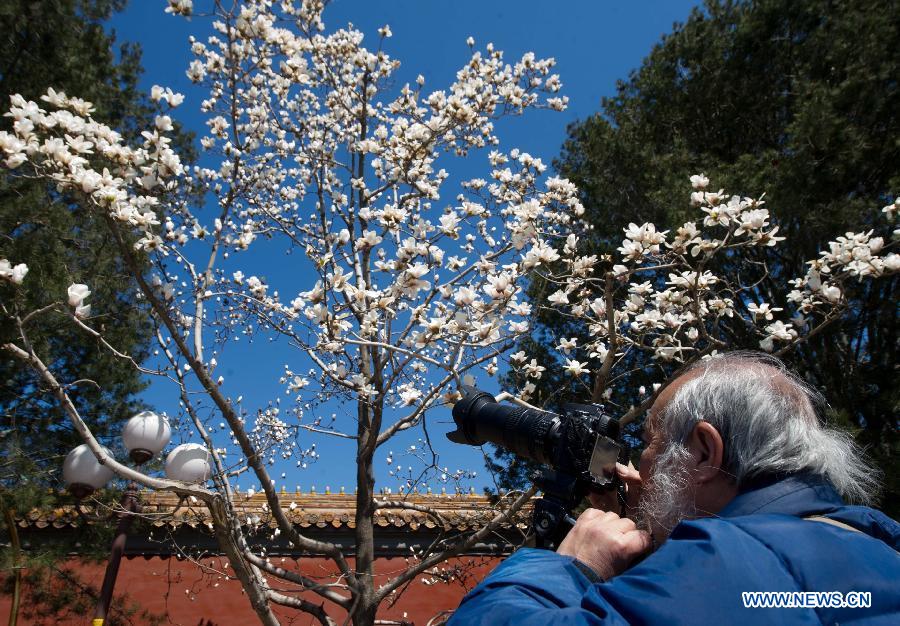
x,y
768,420
666,498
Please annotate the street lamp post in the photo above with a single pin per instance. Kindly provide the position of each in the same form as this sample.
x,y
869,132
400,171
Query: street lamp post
x,y
145,435
130,507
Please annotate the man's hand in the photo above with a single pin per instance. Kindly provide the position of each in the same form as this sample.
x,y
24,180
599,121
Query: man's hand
x,y
607,500
605,542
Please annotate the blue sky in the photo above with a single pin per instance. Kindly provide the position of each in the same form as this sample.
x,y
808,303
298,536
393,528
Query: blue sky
x,y
595,43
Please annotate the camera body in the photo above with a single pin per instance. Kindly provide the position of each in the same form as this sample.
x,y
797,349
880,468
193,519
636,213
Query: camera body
x,y
578,448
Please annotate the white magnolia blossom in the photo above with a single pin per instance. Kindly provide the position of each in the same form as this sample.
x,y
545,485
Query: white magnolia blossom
x,y
180,7
575,368
567,345
77,293
699,181
892,209
13,273
763,310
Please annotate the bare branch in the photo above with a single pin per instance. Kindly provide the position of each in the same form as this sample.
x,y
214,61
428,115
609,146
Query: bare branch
x,y
316,610
326,591
458,548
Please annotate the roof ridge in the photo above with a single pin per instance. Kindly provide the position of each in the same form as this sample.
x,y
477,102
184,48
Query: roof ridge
x,y
325,510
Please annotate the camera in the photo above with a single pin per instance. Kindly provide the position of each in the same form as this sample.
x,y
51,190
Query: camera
x,y
578,449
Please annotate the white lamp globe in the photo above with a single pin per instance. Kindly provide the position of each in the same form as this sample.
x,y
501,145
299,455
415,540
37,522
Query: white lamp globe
x,y
145,435
83,472
190,463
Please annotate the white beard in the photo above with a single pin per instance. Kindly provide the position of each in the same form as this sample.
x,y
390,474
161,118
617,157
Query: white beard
x,y
668,498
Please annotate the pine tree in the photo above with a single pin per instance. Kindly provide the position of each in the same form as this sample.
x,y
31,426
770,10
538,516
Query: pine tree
x,y
64,44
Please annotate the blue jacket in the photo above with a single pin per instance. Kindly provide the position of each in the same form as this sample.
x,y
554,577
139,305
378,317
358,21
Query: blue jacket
x,y
757,543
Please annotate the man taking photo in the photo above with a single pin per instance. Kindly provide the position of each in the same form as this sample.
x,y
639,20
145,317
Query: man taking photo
x,y
739,517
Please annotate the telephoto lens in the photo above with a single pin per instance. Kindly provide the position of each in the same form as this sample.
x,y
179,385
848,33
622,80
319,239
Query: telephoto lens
x,y
582,442
525,432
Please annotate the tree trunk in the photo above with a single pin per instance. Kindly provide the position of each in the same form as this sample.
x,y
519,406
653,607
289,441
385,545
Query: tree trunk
x,y
229,541
364,604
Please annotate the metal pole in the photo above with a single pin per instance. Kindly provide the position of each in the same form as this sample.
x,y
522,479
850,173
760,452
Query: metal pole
x,y
17,565
130,506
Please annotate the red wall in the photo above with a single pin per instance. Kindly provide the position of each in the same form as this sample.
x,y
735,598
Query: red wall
x,y
190,593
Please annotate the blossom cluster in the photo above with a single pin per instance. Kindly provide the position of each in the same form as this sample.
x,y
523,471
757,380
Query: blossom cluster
x,y
337,163
659,297
64,144
13,273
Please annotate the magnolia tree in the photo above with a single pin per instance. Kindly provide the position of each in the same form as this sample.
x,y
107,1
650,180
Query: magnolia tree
x,y
401,294
312,149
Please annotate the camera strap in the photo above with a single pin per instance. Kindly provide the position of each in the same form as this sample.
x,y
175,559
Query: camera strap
x,y
833,522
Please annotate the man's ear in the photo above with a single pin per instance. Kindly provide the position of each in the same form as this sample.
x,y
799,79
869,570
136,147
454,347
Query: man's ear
x,y
705,444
